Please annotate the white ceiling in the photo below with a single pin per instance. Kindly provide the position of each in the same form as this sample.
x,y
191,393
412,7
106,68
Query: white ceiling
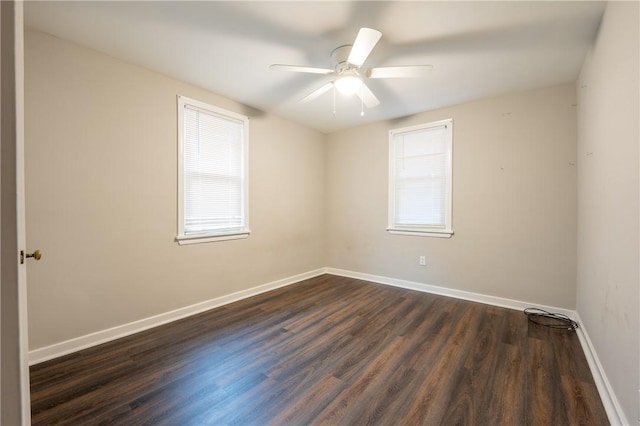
x,y
477,49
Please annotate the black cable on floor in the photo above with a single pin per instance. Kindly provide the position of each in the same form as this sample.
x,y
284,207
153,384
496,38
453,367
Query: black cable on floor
x,y
551,320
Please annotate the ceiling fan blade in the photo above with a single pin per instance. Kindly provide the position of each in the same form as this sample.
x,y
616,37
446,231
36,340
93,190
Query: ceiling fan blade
x,y
363,45
367,96
296,68
410,71
311,96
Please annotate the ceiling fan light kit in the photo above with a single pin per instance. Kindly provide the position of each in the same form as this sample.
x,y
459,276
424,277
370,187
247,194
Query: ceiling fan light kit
x,y
348,84
348,61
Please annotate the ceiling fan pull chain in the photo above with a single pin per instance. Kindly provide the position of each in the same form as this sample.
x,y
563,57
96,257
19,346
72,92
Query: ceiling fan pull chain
x,y
361,103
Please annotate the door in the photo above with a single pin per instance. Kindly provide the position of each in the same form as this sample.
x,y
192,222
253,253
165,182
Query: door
x,y
14,374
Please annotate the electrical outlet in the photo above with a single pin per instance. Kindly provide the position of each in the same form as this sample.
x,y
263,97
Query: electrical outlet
x,y
423,260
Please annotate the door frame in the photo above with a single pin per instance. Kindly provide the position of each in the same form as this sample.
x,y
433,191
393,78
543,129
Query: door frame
x,y
25,388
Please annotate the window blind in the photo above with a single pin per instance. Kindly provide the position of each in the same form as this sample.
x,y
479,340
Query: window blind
x,y
213,172
420,177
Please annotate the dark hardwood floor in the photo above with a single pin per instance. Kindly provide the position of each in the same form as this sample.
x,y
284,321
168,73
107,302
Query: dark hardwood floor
x,y
333,351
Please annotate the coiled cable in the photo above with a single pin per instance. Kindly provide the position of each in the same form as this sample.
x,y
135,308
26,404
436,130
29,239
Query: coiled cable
x,y
550,320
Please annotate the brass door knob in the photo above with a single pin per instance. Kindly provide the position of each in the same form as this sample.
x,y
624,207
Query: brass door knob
x,y
36,255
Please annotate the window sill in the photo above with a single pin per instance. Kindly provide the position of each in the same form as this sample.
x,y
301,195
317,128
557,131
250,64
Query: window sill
x,y
208,238
421,233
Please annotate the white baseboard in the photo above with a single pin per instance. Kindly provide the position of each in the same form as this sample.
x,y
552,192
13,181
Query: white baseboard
x,y
450,292
73,345
610,402
614,411
608,397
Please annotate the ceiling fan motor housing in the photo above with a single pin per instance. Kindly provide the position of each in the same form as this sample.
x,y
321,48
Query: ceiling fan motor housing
x,y
339,56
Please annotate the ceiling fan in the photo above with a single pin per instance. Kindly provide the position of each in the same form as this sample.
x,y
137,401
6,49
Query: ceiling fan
x,y
348,73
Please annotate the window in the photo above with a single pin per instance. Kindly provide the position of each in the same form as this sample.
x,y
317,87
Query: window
x,y
420,180
212,173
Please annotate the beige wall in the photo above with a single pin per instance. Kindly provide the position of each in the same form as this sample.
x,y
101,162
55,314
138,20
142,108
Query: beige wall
x,y
608,192
101,196
514,201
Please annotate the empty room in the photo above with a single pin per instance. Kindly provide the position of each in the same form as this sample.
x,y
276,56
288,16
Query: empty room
x,y
320,212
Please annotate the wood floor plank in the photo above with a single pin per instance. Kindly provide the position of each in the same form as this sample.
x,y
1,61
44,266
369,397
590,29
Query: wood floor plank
x,y
349,405
479,373
328,350
436,390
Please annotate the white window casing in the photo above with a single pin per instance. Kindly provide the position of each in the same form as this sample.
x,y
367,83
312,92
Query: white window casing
x,y
420,180
213,197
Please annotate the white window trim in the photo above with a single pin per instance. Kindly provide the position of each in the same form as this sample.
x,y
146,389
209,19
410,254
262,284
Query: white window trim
x,y
422,231
206,237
